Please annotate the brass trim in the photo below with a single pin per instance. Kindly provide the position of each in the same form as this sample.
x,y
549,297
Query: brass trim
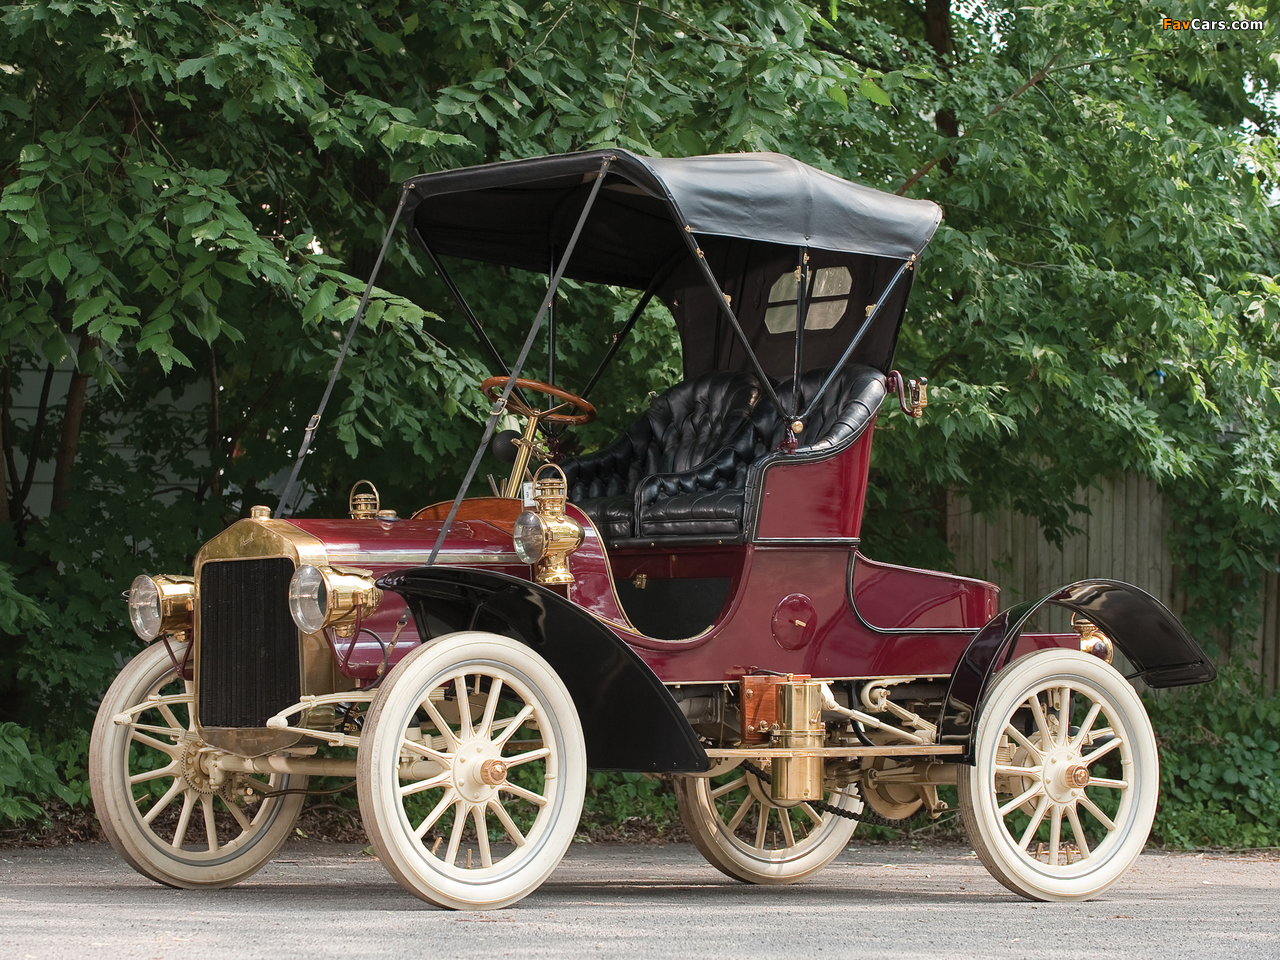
x,y
1092,640
177,597
363,506
261,538
625,624
903,750
406,558
350,595
853,542
562,535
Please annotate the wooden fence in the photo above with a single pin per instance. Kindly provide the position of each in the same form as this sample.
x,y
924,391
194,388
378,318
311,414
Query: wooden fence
x,y
1124,537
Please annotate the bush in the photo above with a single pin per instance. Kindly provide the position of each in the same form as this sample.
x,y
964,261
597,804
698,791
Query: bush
x,y
1219,763
614,798
28,777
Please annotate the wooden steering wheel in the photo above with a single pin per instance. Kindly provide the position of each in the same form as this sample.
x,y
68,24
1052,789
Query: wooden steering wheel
x,y
492,387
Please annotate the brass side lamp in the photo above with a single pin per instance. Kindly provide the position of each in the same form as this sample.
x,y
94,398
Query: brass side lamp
x,y
544,536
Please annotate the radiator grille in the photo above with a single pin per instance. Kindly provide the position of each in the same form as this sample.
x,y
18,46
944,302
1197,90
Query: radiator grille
x,y
248,642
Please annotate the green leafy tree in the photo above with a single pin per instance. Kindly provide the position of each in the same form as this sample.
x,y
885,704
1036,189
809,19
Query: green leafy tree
x,y
193,194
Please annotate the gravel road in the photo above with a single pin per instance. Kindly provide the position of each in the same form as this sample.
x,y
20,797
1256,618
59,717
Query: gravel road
x,y
330,900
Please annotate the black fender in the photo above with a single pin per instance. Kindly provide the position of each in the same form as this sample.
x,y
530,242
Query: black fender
x,y
630,720
1161,650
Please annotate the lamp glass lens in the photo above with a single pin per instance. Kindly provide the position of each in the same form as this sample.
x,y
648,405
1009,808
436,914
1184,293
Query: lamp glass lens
x,y
308,598
530,537
144,607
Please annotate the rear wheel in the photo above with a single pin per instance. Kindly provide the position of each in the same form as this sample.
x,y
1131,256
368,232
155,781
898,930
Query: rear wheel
x,y
1063,791
154,795
472,771
740,830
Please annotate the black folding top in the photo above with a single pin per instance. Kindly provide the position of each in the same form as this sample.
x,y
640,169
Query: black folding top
x,y
515,213
750,213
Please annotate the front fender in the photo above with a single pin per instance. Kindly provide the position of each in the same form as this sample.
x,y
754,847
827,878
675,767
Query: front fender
x,y
629,719
1151,638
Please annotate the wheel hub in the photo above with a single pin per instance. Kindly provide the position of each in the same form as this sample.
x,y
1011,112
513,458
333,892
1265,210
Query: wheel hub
x,y
478,770
1077,775
1065,777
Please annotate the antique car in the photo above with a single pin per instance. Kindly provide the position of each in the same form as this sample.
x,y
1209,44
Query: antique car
x,y
689,601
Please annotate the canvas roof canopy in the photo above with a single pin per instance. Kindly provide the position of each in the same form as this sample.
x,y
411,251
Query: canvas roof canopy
x,y
750,213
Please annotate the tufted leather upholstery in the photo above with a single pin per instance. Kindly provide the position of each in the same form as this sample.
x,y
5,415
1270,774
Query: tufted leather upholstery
x,y
680,469
841,415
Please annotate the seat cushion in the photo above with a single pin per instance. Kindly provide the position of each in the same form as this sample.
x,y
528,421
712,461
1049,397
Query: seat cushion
x,y
702,514
611,515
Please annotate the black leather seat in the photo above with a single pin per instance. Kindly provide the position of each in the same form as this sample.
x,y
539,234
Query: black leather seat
x,y
843,413
680,469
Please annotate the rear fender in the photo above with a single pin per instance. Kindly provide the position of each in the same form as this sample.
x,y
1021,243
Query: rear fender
x,y
1163,654
629,719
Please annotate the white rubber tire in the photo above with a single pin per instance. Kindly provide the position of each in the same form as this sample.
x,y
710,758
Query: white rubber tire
x,y
1039,832
744,835
406,722
156,754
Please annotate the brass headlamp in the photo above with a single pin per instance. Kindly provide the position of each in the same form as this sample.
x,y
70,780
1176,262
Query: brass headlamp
x,y
331,597
544,536
161,604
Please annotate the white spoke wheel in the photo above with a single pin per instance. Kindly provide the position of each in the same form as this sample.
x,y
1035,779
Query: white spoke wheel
x,y
472,771
155,798
1063,791
740,830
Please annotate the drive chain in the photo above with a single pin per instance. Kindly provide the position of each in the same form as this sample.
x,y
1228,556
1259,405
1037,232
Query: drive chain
x,y
866,816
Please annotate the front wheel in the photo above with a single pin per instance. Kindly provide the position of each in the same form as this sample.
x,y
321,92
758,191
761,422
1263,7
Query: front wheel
x,y
157,793
736,825
472,771
1063,791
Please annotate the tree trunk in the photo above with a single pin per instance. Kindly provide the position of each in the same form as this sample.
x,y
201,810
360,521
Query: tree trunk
x,y
6,437
4,441
369,181
217,453
37,434
937,30
71,427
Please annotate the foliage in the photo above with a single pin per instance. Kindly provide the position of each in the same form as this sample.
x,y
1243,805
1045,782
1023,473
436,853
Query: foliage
x,y
1220,763
1100,297
614,798
28,777
191,198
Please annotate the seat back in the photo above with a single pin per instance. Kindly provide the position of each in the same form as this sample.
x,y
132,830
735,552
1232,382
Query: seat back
x,y
841,415
680,430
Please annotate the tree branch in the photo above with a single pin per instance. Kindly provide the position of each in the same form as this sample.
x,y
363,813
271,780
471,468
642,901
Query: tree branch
x,y
635,33
254,409
1047,70
832,49
915,177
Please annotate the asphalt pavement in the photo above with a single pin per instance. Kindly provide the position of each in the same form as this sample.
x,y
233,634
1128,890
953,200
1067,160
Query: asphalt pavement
x,y
330,900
